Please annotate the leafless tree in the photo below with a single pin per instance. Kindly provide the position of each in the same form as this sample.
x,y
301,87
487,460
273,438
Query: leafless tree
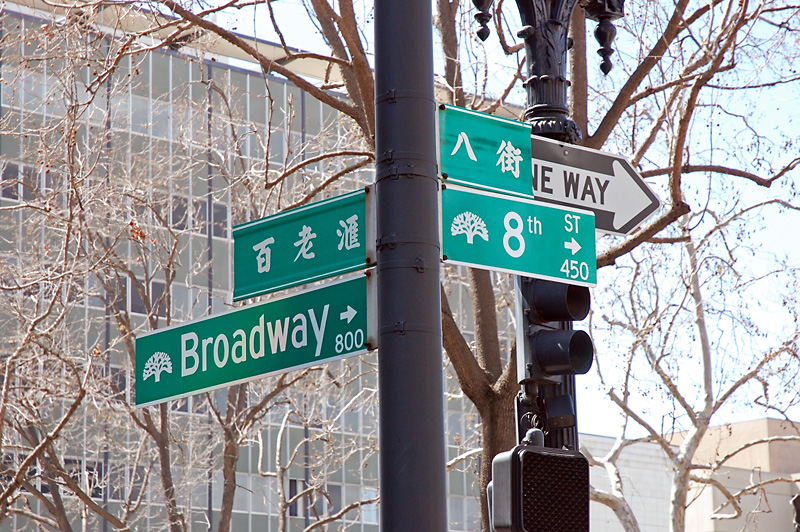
x,y
98,232
683,58
315,438
681,67
698,318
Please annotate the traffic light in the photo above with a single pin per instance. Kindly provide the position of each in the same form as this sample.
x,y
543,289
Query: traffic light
x,y
538,489
547,347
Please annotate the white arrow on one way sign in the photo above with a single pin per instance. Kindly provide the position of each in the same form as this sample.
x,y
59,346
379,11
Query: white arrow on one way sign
x,y
604,183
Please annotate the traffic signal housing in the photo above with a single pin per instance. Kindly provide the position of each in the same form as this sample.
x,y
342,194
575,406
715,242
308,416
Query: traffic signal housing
x,y
538,489
547,346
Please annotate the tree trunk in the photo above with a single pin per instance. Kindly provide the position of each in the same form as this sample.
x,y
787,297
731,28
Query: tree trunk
x,y
626,517
579,88
680,487
167,483
447,11
498,434
487,343
230,458
59,513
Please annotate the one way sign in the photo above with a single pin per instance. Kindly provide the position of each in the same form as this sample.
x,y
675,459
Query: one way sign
x,y
604,183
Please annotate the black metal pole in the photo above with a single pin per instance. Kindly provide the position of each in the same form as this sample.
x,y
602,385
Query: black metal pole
x,y
412,453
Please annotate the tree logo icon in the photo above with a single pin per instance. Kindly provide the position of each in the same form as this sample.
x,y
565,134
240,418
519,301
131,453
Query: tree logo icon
x,y
156,365
469,224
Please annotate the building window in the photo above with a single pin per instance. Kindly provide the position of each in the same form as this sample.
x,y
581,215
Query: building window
x,y
119,382
155,295
89,477
294,508
125,483
220,226
180,211
137,305
157,298
30,183
199,216
15,175
369,512
10,180
334,499
179,405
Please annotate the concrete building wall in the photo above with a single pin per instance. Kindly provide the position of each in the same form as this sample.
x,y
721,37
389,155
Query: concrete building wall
x,y
766,509
646,475
775,456
772,466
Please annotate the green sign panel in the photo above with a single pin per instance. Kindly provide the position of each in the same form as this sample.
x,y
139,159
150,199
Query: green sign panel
x,y
300,245
283,334
519,236
485,151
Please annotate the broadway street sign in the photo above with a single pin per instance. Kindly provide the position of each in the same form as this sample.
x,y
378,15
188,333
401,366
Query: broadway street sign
x,y
603,183
301,245
484,151
305,329
516,235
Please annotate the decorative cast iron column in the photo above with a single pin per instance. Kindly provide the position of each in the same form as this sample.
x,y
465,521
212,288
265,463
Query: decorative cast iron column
x,y
545,26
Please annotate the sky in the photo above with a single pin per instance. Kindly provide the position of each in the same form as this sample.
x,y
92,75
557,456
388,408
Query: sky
x,y
302,33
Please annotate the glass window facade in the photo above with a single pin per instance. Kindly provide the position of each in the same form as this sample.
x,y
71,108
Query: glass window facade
x,y
121,191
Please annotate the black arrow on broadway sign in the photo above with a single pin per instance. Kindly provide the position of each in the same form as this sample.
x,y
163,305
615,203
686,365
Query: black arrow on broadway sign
x,y
604,183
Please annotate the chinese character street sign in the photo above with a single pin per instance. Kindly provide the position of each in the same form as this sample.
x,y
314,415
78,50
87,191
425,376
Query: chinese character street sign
x,y
301,245
484,151
603,183
283,334
517,235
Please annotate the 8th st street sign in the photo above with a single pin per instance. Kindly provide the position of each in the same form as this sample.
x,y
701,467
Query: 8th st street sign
x,y
519,236
603,183
283,334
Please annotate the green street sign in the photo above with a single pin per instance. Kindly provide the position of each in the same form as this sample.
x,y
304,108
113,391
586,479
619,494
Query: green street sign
x,y
485,151
280,335
519,236
301,245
